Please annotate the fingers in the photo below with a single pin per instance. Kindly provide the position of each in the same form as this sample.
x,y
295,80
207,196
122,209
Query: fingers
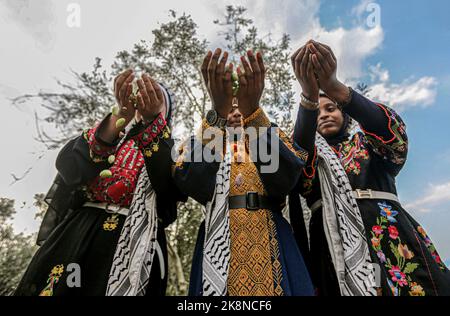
x,y
143,92
204,67
329,50
243,84
124,90
140,103
304,63
298,61
248,72
255,67
119,80
310,69
294,56
228,84
158,90
150,90
220,71
324,66
260,59
328,54
212,68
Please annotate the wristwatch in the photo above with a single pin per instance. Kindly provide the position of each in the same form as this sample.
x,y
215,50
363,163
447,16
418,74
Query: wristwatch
x,y
213,119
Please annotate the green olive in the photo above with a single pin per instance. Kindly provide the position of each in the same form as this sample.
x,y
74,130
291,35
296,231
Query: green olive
x,y
115,110
120,122
111,159
106,174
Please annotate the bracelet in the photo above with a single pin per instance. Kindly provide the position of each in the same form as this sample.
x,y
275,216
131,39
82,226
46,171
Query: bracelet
x,y
307,102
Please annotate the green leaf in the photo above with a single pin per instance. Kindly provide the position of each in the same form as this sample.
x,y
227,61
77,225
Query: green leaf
x,y
394,250
410,267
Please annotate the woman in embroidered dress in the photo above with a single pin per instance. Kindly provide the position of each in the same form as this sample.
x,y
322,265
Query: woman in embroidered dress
x,y
110,202
349,184
244,247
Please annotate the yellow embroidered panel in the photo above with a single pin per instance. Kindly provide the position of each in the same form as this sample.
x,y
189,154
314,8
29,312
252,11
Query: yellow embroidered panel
x,y
255,269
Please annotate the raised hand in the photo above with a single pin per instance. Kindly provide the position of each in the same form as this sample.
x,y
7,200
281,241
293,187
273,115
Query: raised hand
x,y
325,66
302,62
122,92
251,83
150,99
217,78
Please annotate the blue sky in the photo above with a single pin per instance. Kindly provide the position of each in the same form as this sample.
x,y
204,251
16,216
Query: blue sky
x,y
405,59
416,44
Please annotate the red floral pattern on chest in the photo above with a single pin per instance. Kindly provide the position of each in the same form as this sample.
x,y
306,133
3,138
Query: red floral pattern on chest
x,y
351,152
119,188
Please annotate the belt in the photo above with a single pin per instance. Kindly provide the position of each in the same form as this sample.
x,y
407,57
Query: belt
x,y
253,201
109,208
359,194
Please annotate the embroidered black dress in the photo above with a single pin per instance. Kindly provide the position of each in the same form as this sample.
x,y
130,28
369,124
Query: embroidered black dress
x,y
74,234
264,257
372,158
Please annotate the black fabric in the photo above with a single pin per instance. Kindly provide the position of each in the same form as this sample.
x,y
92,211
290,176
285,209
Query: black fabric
x,y
321,265
375,168
71,234
81,239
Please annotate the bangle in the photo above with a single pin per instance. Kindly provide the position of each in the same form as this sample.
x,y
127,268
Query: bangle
x,y
309,103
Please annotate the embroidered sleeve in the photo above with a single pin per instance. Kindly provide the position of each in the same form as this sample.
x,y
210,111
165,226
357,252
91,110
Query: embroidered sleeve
x,y
257,119
148,140
309,174
395,147
99,150
210,136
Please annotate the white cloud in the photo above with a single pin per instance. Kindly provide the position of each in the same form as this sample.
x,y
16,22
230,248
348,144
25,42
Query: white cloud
x,y
41,47
378,73
437,195
409,93
35,17
361,8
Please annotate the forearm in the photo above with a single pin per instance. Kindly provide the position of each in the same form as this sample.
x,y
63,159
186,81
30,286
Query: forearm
x,y
305,128
371,116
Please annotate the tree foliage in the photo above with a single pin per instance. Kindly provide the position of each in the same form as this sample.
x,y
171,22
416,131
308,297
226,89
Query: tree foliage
x,y
173,57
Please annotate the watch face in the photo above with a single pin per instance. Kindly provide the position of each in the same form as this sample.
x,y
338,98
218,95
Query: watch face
x,y
211,117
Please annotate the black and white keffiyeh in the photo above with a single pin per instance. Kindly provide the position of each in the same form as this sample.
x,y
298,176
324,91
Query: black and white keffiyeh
x,y
133,258
343,226
216,255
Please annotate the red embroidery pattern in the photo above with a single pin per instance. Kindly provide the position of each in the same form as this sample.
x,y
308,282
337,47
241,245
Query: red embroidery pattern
x,y
349,152
119,188
148,140
98,151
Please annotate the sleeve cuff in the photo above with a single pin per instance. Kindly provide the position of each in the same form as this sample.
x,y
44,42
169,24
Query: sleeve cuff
x,y
207,139
257,119
148,139
99,149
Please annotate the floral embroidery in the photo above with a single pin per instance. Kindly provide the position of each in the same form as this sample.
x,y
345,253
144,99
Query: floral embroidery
x,y
416,290
348,153
111,223
398,276
386,211
393,232
393,149
53,278
431,248
400,273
